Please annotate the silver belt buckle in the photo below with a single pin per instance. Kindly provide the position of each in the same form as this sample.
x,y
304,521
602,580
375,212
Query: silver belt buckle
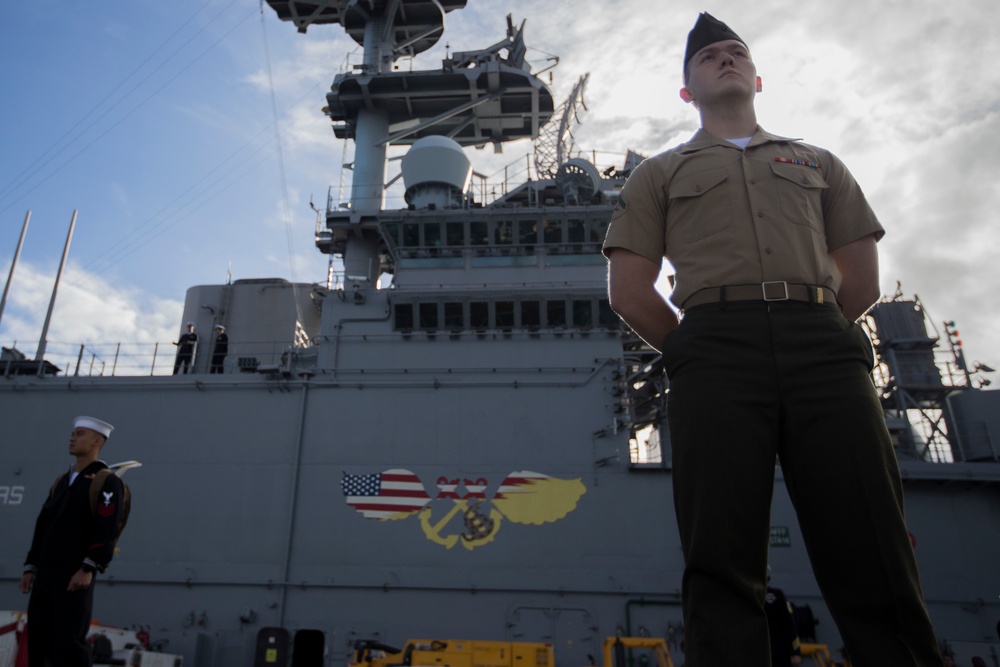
x,y
784,287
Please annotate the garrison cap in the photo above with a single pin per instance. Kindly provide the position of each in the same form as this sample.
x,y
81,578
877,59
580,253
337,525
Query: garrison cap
x,y
94,424
707,30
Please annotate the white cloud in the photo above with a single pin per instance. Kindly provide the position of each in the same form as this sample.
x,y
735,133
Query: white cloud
x,y
904,93
89,312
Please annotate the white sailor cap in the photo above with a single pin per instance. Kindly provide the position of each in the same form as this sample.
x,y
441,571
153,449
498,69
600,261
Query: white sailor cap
x,y
94,424
220,327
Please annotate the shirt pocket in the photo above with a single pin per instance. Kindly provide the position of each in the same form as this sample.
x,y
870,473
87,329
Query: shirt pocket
x,y
800,194
699,205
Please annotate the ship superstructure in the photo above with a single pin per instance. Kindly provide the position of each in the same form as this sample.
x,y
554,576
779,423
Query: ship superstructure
x,y
458,438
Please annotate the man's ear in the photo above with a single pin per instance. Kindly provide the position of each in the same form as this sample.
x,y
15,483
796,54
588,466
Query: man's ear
x,y
760,85
686,95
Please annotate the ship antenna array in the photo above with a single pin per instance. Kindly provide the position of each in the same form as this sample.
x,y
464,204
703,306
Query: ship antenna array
x,y
555,141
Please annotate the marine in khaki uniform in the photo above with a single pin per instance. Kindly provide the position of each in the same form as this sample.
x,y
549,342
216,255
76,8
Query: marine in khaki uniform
x,y
774,248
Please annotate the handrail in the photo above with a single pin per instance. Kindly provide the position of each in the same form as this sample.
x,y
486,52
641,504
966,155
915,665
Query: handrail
x,y
63,359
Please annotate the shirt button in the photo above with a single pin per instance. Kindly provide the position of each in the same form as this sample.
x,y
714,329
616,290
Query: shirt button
x,y
805,181
760,214
753,181
697,188
767,251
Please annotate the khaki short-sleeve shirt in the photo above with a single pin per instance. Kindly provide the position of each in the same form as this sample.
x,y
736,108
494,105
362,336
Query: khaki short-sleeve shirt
x,y
726,216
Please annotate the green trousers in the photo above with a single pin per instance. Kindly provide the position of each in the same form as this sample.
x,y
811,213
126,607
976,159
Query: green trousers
x,y
752,383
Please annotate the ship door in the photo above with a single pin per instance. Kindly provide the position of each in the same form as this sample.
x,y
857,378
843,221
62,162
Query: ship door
x,y
308,648
272,648
570,630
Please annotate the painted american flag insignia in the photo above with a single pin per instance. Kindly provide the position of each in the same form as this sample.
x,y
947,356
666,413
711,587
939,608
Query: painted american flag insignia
x,y
390,495
469,516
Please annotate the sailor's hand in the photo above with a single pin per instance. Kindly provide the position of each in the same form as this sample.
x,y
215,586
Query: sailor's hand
x,y
81,580
27,580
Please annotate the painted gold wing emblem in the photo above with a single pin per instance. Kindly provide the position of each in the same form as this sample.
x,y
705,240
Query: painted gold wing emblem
x,y
536,498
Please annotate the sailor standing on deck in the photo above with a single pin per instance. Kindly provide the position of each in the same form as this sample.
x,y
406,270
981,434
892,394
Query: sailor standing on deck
x,y
71,542
220,350
186,345
774,249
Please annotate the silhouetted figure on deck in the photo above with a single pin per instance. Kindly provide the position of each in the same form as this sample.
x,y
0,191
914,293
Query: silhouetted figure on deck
x,y
220,350
186,346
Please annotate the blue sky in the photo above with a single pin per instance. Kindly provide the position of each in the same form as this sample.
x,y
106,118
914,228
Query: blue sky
x,y
157,121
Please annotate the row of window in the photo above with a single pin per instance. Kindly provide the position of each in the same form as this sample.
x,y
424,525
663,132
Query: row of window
x,y
504,251
521,314
472,233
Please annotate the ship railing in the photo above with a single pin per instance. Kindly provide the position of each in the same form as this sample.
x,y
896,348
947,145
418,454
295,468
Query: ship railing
x,y
134,359
484,189
76,359
512,175
928,370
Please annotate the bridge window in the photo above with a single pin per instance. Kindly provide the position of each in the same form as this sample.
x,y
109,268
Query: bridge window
x,y
403,315
479,315
505,314
503,233
555,313
456,234
411,235
528,232
583,315
428,316
479,233
454,318
530,314
551,231
432,235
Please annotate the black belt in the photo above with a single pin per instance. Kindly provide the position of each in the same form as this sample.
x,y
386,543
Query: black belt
x,y
773,290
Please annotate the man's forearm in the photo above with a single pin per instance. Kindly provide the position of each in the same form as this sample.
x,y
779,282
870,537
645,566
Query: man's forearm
x,y
651,320
858,265
854,303
633,295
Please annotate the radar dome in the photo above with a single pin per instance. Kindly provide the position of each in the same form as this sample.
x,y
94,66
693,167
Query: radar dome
x,y
435,171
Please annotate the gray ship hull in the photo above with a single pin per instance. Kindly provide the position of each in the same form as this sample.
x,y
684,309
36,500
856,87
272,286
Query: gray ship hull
x,y
240,519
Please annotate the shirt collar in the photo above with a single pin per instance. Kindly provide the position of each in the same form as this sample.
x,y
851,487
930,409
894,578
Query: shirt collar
x,y
703,140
